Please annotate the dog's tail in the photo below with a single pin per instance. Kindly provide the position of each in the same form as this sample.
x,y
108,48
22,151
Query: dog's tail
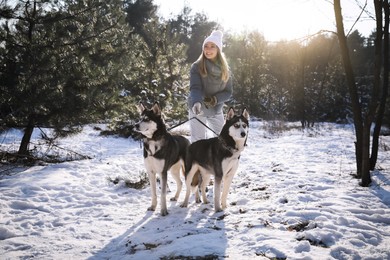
x,y
197,180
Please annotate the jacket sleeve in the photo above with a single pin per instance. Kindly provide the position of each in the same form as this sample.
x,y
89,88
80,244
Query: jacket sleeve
x,y
196,86
227,93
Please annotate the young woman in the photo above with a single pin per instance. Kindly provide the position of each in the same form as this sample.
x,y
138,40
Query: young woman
x,y
210,87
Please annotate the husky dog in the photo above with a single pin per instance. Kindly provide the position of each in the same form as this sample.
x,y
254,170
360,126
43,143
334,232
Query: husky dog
x,y
218,156
163,152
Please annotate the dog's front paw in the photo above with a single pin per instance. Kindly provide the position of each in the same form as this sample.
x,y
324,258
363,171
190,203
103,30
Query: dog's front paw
x,y
164,212
184,205
173,199
152,208
218,209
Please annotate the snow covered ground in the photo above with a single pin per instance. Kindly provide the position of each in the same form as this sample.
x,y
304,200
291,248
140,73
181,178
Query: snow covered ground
x,y
293,197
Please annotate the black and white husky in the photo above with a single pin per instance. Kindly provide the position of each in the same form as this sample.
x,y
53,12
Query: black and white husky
x,y
163,152
218,156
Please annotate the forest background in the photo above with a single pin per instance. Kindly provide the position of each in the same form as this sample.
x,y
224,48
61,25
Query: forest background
x,y
68,63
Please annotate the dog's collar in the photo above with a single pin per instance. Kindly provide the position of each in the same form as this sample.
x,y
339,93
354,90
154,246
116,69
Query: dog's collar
x,y
154,138
229,147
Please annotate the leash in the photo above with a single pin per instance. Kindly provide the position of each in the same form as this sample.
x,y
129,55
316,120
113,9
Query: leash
x,y
179,124
185,121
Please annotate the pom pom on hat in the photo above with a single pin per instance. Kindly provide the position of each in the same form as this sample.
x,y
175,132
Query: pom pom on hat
x,y
216,38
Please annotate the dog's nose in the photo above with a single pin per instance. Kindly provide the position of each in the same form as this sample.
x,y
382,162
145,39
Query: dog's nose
x,y
243,134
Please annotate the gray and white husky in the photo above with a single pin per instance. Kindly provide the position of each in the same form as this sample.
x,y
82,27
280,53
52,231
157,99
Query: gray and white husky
x,y
218,156
163,152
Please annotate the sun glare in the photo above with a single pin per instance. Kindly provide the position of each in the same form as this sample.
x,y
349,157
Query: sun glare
x,y
279,20
276,19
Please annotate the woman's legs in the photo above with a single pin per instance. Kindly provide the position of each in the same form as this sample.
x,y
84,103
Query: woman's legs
x,y
198,131
216,122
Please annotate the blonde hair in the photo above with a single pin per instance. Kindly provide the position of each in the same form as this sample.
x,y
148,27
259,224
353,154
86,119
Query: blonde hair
x,y
220,60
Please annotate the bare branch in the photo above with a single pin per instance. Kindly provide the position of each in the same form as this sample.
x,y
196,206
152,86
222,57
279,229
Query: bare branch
x,y
358,18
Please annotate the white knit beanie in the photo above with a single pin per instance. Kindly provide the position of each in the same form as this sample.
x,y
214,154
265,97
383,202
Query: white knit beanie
x,y
216,38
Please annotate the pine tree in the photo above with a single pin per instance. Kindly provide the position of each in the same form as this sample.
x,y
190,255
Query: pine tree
x,y
59,58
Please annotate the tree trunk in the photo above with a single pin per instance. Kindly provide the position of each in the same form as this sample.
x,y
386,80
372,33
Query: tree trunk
x,y
373,105
385,87
363,127
366,177
356,107
301,90
23,148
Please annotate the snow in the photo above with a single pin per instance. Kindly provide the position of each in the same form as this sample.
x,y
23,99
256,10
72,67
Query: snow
x,y
293,197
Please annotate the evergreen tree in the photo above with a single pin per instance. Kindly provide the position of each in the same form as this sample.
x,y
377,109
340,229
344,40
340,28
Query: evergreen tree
x,y
164,76
59,68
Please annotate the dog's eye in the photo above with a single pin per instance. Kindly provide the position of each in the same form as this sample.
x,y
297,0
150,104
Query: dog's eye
x,y
237,125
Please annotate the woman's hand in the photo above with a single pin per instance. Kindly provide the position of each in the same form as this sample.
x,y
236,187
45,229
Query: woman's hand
x,y
196,108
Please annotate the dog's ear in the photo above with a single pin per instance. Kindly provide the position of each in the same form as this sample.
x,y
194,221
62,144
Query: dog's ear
x,y
230,114
156,109
245,113
140,108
